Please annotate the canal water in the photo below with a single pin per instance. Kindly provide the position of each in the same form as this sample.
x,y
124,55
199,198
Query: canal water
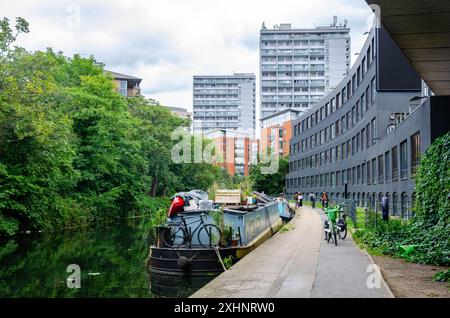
x,y
111,259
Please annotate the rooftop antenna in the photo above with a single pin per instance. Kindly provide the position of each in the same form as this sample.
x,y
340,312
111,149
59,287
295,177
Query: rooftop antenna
x,y
334,20
263,27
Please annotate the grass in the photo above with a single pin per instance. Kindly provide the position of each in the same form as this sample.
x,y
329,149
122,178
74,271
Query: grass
x,y
287,227
360,218
307,203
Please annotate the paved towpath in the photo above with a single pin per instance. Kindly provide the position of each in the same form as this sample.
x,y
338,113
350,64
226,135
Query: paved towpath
x,y
299,263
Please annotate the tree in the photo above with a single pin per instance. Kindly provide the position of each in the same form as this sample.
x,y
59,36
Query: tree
x,y
35,139
274,183
155,125
74,151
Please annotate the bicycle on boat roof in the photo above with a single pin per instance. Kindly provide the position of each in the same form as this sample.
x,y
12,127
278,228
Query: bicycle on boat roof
x,y
208,235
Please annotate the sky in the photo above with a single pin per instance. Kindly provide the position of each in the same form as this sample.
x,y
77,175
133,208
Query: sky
x,y
167,42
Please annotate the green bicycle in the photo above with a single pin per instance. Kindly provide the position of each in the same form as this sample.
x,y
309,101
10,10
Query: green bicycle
x,y
335,226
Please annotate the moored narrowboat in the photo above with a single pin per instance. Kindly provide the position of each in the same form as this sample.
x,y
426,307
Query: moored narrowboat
x,y
190,244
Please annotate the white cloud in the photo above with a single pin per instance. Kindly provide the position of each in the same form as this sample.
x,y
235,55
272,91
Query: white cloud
x,y
167,42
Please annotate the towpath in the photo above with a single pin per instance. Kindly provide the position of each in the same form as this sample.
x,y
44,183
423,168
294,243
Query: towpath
x,y
300,263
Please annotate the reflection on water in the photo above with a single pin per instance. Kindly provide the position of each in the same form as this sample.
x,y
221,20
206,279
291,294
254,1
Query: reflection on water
x,y
172,286
35,265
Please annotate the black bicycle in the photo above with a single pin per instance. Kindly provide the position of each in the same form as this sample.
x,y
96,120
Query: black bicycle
x,y
341,223
208,235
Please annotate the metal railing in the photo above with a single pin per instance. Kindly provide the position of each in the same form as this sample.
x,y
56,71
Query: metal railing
x,y
349,208
398,209
401,208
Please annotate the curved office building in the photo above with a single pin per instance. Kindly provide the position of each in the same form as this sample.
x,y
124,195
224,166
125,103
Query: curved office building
x,y
366,136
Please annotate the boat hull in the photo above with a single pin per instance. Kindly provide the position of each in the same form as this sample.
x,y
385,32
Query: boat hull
x,y
201,262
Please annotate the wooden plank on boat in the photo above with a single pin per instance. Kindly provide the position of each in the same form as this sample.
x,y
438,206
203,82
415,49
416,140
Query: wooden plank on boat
x,y
227,196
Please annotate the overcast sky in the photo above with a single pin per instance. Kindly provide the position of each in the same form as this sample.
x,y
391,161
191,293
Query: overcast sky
x,y
167,42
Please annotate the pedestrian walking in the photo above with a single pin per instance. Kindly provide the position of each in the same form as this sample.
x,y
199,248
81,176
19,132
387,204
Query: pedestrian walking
x,y
312,198
324,200
296,199
300,199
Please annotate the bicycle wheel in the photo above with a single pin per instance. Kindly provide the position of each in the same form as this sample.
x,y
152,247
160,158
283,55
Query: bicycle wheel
x,y
343,229
209,235
328,236
177,237
333,229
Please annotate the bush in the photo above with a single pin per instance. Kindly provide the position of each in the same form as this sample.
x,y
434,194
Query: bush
x,y
429,229
433,183
228,262
432,243
442,276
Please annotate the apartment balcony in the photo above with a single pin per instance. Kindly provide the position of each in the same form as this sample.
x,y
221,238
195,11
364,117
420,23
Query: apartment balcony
x,y
301,83
133,92
270,93
268,83
285,68
300,67
285,99
301,98
317,83
284,52
268,53
269,67
289,62
269,98
317,68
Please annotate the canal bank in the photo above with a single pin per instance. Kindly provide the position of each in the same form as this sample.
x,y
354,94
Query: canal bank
x,y
299,263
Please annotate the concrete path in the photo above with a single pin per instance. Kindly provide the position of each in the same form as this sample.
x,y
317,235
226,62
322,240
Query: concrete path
x,y
344,271
297,263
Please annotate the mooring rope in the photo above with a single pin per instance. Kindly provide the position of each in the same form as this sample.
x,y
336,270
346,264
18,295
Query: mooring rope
x,y
219,257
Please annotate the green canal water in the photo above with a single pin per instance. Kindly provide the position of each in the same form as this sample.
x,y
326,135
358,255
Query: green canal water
x,y
111,259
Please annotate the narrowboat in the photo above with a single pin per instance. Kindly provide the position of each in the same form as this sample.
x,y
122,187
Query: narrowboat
x,y
244,227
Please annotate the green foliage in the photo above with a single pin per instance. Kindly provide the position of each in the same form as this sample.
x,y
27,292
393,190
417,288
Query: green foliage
x,y
433,183
431,243
226,233
272,184
73,151
429,230
286,227
246,185
7,36
217,217
228,262
442,276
